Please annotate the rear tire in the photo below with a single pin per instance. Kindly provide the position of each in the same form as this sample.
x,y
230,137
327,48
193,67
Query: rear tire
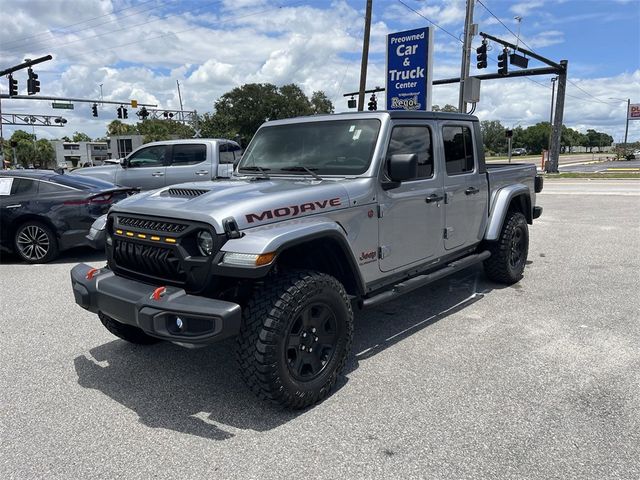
x,y
295,338
509,253
126,332
35,242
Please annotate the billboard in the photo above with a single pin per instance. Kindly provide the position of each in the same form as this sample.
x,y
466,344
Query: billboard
x,y
409,67
634,111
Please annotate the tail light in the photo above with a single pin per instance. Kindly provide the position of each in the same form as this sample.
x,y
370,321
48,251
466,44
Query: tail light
x,y
102,199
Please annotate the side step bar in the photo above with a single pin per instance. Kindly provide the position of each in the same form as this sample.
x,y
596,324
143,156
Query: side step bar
x,y
422,280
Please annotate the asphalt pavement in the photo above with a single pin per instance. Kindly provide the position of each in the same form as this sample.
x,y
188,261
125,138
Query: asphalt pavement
x,y
465,379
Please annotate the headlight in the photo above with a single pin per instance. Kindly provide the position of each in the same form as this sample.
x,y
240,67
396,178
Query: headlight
x,y
248,259
205,243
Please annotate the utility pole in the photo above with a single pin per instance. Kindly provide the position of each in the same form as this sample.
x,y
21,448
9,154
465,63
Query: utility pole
x,y
554,154
365,56
626,128
180,98
466,55
553,91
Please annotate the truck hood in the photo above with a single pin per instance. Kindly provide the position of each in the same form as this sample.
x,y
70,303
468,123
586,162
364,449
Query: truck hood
x,y
249,202
104,172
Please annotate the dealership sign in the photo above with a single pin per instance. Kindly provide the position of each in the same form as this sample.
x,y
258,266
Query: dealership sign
x,y
409,61
634,111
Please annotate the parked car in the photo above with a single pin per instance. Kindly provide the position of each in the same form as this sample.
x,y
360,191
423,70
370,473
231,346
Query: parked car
x,y
326,214
518,151
158,164
43,212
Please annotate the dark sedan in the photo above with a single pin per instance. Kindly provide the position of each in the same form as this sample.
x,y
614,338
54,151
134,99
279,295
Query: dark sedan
x,y
43,212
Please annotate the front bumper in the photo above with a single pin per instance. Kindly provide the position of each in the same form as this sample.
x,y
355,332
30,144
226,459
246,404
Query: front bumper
x,y
174,316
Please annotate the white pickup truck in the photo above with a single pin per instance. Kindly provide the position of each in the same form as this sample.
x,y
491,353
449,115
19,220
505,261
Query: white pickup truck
x,y
159,164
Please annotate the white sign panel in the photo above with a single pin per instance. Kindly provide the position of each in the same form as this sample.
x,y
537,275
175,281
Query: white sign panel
x,y
5,185
634,111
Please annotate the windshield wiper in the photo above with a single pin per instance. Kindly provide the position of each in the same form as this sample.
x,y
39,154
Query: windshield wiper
x,y
256,168
300,168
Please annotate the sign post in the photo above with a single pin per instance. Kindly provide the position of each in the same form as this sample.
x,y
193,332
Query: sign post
x,y
409,69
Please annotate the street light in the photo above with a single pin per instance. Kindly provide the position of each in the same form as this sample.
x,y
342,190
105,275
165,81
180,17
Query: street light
x,y
626,128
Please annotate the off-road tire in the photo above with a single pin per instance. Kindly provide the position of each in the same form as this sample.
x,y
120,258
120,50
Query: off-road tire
x,y
126,332
264,347
513,243
41,243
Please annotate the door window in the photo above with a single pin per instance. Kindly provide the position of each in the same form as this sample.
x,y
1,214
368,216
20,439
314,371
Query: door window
x,y
148,157
413,140
24,186
189,154
458,149
225,153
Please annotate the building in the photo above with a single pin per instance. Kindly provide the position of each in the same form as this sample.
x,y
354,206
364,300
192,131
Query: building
x,y
122,145
80,154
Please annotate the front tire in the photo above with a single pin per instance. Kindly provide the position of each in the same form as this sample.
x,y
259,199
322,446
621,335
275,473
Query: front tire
x,y
295,339
126,332
35,242
509,252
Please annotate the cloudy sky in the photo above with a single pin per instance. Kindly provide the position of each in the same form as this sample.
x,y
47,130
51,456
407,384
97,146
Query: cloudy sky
x,y
138,49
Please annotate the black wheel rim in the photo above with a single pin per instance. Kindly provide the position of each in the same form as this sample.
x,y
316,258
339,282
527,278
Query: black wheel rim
x,y
311,342
516,253
33,242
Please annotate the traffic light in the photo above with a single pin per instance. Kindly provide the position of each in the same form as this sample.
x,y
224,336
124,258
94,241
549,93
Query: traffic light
x,y
13,86
351,103
124,112
94,109
373,104
143,113
33,84
481,52
503,62
165,114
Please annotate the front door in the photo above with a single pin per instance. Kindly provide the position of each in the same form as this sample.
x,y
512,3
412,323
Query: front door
x,y
412,215
189,164
145,168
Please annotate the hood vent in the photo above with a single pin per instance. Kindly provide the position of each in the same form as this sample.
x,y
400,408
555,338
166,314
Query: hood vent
x,y
184,192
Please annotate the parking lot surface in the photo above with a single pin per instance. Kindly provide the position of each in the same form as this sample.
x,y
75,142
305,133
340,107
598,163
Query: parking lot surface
x,y
463,379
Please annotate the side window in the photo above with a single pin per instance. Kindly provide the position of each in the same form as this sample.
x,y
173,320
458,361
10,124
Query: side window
x,y
189,154
413,140
225,153
24,186
46,187
148,157
237,151
458,149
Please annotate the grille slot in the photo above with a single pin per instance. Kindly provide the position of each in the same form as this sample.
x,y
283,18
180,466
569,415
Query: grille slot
x,y
185,192
154,225
153,260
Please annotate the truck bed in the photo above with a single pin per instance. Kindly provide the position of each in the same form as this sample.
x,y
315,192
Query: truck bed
x,y
501,175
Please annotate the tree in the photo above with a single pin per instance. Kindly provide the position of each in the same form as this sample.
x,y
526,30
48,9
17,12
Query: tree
x,y
493,136
156,130
80,137
116,127
446,108
320,103
45,155
25,150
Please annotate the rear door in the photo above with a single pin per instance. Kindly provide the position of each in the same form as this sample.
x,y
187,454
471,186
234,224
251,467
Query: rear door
x,y
189,163
464,185
412,215
145,168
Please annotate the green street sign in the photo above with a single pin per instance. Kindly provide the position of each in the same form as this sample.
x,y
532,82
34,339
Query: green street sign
x,y
63,106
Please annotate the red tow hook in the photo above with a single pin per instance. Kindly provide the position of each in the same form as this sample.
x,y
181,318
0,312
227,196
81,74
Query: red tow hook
x,y
158,293
92,273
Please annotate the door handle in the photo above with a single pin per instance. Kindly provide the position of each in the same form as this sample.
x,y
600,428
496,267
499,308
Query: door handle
x,y
157,174
18,205
434,198
471,191
202,172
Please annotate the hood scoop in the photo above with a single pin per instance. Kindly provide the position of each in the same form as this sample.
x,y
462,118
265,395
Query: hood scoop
x,y
184,192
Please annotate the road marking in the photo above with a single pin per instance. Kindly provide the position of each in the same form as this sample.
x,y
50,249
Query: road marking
x,y
620,169
586,192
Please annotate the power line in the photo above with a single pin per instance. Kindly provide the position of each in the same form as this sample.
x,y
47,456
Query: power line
x,y
431,22
117,19
502,23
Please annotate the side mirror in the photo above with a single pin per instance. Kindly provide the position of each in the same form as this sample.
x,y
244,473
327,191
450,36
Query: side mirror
x,y
403,166
124,163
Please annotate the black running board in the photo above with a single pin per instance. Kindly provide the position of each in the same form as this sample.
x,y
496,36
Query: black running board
x,y
422,280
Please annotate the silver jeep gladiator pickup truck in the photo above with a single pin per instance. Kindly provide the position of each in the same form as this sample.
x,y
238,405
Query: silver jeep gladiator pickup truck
x,y
323,214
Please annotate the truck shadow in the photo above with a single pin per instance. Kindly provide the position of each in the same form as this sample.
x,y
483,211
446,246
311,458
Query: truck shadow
x,y
199,392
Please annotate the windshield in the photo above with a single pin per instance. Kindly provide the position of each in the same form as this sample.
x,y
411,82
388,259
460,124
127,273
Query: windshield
x,y
336,147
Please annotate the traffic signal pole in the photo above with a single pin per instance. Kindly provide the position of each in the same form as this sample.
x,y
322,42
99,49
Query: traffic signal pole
x,y
466,56
365,56
554,154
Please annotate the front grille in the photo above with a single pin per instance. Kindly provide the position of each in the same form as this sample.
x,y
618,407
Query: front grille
x,y
157,226
185,192
152,260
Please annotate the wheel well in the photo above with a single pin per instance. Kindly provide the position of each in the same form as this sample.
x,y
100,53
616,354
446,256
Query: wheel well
x,y
522,204
323,255
31,218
